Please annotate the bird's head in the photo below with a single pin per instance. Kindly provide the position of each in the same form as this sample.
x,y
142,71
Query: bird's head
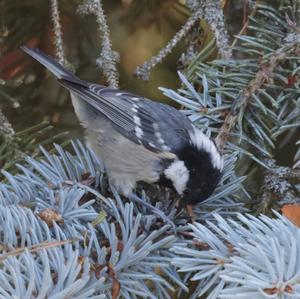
x,y
197,171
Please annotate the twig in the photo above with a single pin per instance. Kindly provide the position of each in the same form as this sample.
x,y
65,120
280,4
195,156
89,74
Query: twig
x,y
213,14
34,248
242,31
6,128
278,184
143,71
108,58
58,41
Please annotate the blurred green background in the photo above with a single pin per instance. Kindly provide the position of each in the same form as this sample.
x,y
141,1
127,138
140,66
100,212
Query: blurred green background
x,y
138,28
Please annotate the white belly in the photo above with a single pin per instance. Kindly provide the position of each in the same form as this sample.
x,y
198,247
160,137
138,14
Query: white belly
x,y
126,162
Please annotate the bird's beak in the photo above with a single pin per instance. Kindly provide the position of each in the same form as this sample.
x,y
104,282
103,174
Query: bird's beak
x,y
181,204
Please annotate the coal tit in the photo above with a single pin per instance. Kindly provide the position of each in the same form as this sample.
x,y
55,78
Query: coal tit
x,y
141,140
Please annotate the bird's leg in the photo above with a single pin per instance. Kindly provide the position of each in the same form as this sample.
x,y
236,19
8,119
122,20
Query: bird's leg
x,y
189,209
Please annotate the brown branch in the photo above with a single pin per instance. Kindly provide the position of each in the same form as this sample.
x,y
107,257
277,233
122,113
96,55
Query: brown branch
x,y
263,76
35,248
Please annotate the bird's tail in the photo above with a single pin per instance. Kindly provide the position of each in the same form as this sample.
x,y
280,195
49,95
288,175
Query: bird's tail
x,y
52,65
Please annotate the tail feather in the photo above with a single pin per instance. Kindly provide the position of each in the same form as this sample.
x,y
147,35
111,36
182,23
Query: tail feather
x,y
52,65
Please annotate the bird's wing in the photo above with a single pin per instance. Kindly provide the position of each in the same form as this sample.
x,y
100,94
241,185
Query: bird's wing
x,y
159,127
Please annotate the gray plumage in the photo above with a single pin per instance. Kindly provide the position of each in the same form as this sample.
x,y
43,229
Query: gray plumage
x,y
137,163
154,125
136,138
100,109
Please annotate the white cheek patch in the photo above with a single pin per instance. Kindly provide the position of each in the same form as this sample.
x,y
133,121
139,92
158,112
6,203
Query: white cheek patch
x,y
202,142
179,175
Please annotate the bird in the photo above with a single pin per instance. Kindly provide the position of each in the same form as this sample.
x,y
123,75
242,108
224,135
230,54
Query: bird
x,y
140,140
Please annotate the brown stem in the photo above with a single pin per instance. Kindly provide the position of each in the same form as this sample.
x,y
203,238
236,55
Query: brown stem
x,y
35,248
263,76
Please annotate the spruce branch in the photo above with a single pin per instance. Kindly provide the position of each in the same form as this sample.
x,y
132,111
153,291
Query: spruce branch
x,y
108,58
55,272
129,254
245,258
263,76
248,101
142,246
123,248
252,99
